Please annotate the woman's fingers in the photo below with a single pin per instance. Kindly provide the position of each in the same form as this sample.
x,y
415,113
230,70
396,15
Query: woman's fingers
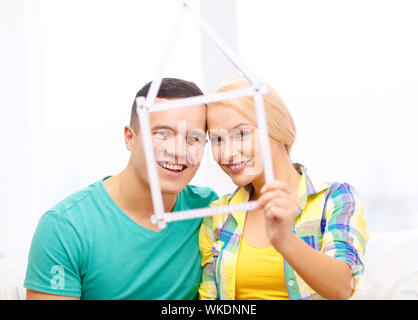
x,y
268,196
280,208
273,213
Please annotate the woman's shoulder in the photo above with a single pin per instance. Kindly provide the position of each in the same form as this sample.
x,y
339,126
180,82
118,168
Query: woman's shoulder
x,y
331,189
342,190
343,204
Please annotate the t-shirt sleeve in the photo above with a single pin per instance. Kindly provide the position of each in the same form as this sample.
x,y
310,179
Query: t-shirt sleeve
x,y
212,196
200,197
55,257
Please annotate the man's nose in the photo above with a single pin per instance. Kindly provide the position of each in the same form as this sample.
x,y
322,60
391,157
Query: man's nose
x,y
177,149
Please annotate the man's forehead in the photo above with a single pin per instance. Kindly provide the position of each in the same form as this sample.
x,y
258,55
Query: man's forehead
x,y
178,122
179,127
191,117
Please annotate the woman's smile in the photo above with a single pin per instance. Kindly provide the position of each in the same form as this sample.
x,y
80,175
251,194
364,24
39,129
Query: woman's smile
x,y
238,166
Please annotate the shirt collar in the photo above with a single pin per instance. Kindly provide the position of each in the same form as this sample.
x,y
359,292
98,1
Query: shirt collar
x,y
308,186
240,195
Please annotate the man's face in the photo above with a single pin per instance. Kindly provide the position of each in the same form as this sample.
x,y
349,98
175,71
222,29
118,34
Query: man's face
x,y
178,138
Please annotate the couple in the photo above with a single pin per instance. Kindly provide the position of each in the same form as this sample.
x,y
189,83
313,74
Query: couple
x,y
304,240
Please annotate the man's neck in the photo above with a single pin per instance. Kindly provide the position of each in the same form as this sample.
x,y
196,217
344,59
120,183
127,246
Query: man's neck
x,y
133,197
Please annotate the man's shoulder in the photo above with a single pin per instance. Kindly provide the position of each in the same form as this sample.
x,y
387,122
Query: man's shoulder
x,y
78,201
197,196
72,215
199,192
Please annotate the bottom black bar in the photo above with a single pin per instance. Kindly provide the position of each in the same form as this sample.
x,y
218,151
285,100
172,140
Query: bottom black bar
x,y
156,309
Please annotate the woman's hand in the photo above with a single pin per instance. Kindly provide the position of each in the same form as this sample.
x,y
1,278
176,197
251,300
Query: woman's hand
x,y
328,276
280,210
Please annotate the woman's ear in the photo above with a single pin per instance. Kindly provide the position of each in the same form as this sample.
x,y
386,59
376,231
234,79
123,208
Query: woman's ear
x,y
130,137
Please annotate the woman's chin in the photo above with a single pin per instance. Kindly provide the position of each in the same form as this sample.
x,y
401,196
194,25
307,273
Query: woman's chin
x,y
243,178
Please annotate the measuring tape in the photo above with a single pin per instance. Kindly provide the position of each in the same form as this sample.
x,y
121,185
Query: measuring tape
x,y
145,106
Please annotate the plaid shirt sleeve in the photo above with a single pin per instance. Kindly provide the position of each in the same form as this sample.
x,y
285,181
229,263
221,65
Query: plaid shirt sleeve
x,y
345,235
207,289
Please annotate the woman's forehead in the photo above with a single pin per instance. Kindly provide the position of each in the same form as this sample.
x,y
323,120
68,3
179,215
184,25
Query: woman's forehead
x,y
222,117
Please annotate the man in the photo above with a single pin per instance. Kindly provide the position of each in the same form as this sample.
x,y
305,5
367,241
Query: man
x,y
99,243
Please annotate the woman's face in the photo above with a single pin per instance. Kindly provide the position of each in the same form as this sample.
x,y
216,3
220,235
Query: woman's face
x,y
235,144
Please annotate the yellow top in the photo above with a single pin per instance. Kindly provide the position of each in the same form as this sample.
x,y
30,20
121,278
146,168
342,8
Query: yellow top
x,y
260,274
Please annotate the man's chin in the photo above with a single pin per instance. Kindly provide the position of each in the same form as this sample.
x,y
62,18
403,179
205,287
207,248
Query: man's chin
x,y
172,188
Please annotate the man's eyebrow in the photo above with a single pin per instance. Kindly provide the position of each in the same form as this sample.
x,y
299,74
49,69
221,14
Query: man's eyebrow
x,y
191,131
162,127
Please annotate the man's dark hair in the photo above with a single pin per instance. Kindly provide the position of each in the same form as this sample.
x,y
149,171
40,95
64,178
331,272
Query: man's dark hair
x,y
171,88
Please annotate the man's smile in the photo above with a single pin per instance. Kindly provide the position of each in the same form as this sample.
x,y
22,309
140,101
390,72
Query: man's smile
x,y
172,169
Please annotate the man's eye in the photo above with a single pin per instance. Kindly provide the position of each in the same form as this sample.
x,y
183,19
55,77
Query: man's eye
x,y
162,134
193,139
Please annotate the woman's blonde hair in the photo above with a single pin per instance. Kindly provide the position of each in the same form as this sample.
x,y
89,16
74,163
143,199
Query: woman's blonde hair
x,y
280,124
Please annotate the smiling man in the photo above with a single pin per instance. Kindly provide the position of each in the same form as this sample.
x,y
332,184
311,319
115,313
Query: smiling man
x,y
99,243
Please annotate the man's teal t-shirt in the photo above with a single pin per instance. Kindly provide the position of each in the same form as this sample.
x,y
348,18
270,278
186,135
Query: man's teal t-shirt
x,y
87,247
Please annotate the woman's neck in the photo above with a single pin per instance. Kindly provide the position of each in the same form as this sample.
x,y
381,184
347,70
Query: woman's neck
x,y
284,170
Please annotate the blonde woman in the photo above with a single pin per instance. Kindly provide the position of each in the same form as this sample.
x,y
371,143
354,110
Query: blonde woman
x,y
305,239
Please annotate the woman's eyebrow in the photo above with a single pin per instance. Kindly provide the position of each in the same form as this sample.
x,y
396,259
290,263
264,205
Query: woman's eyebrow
x,y
237,126
241,124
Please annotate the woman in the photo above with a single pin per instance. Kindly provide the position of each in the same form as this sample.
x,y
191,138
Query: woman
x,y
304,240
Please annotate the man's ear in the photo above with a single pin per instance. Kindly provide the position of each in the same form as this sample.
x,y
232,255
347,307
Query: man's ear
x,y
130,137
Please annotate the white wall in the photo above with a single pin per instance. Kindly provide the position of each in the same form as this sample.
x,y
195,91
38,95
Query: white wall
x,y
347,70
69,71
22,135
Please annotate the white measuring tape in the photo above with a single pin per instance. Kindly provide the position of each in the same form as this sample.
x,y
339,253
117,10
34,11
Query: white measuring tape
x,y
145,106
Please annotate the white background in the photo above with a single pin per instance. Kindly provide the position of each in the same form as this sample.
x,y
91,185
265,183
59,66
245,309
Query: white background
x,y
69,71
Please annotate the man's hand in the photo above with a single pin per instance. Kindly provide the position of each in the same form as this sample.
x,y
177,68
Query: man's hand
x,y
35,295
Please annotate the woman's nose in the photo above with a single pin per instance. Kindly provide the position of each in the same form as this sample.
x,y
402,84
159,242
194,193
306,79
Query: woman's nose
x,y
230,150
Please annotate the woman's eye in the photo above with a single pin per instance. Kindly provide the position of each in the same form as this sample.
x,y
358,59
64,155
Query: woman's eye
x,y
245,133
215,139
242,134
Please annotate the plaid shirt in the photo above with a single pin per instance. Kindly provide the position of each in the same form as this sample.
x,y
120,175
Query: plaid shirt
x,y
330,219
